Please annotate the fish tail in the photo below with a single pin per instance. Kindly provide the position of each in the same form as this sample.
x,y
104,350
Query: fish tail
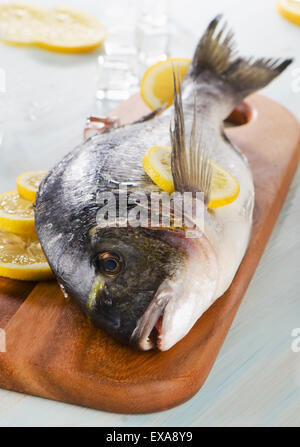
x,y
216,52
221,80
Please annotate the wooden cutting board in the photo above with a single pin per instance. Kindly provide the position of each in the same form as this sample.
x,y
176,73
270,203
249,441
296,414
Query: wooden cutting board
x,y
53,352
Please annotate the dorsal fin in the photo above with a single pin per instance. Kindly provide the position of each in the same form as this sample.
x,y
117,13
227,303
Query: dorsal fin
x,y
191,167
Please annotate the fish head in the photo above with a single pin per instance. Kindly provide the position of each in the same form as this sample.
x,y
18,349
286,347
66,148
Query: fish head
x,y
149,284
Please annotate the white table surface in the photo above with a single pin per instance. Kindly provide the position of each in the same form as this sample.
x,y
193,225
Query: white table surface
x,y
256,378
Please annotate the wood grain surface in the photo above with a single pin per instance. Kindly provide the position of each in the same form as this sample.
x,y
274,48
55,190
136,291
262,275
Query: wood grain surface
x,y
53,352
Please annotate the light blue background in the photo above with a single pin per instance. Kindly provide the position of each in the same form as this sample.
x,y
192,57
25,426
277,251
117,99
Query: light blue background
x,y
256,378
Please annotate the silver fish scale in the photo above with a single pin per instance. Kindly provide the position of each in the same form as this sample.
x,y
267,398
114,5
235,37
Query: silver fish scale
x,y
122,163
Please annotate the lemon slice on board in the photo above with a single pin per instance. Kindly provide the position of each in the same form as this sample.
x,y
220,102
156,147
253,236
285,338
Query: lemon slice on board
x,y
157,82
290,10
157,164
60,29
28,184
21,257
16,214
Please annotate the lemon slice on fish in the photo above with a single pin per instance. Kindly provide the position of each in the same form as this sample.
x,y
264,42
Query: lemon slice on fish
x,y
290,10
157,81
28,184
21,257
16,213
157,164
60,29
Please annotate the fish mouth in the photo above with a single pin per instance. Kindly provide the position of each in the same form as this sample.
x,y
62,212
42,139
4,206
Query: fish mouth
x,y
180,299
147,334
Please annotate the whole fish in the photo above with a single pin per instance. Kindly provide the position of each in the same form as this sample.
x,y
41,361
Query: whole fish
x,y
148,286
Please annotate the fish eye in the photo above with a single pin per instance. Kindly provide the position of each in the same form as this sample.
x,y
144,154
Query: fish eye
x,y
110,263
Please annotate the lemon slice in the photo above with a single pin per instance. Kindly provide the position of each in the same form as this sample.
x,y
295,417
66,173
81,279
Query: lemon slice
x,y
290,10
59,29
157,82
16,213
224,188
157,164
72,31
21,23
28,184
21,257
